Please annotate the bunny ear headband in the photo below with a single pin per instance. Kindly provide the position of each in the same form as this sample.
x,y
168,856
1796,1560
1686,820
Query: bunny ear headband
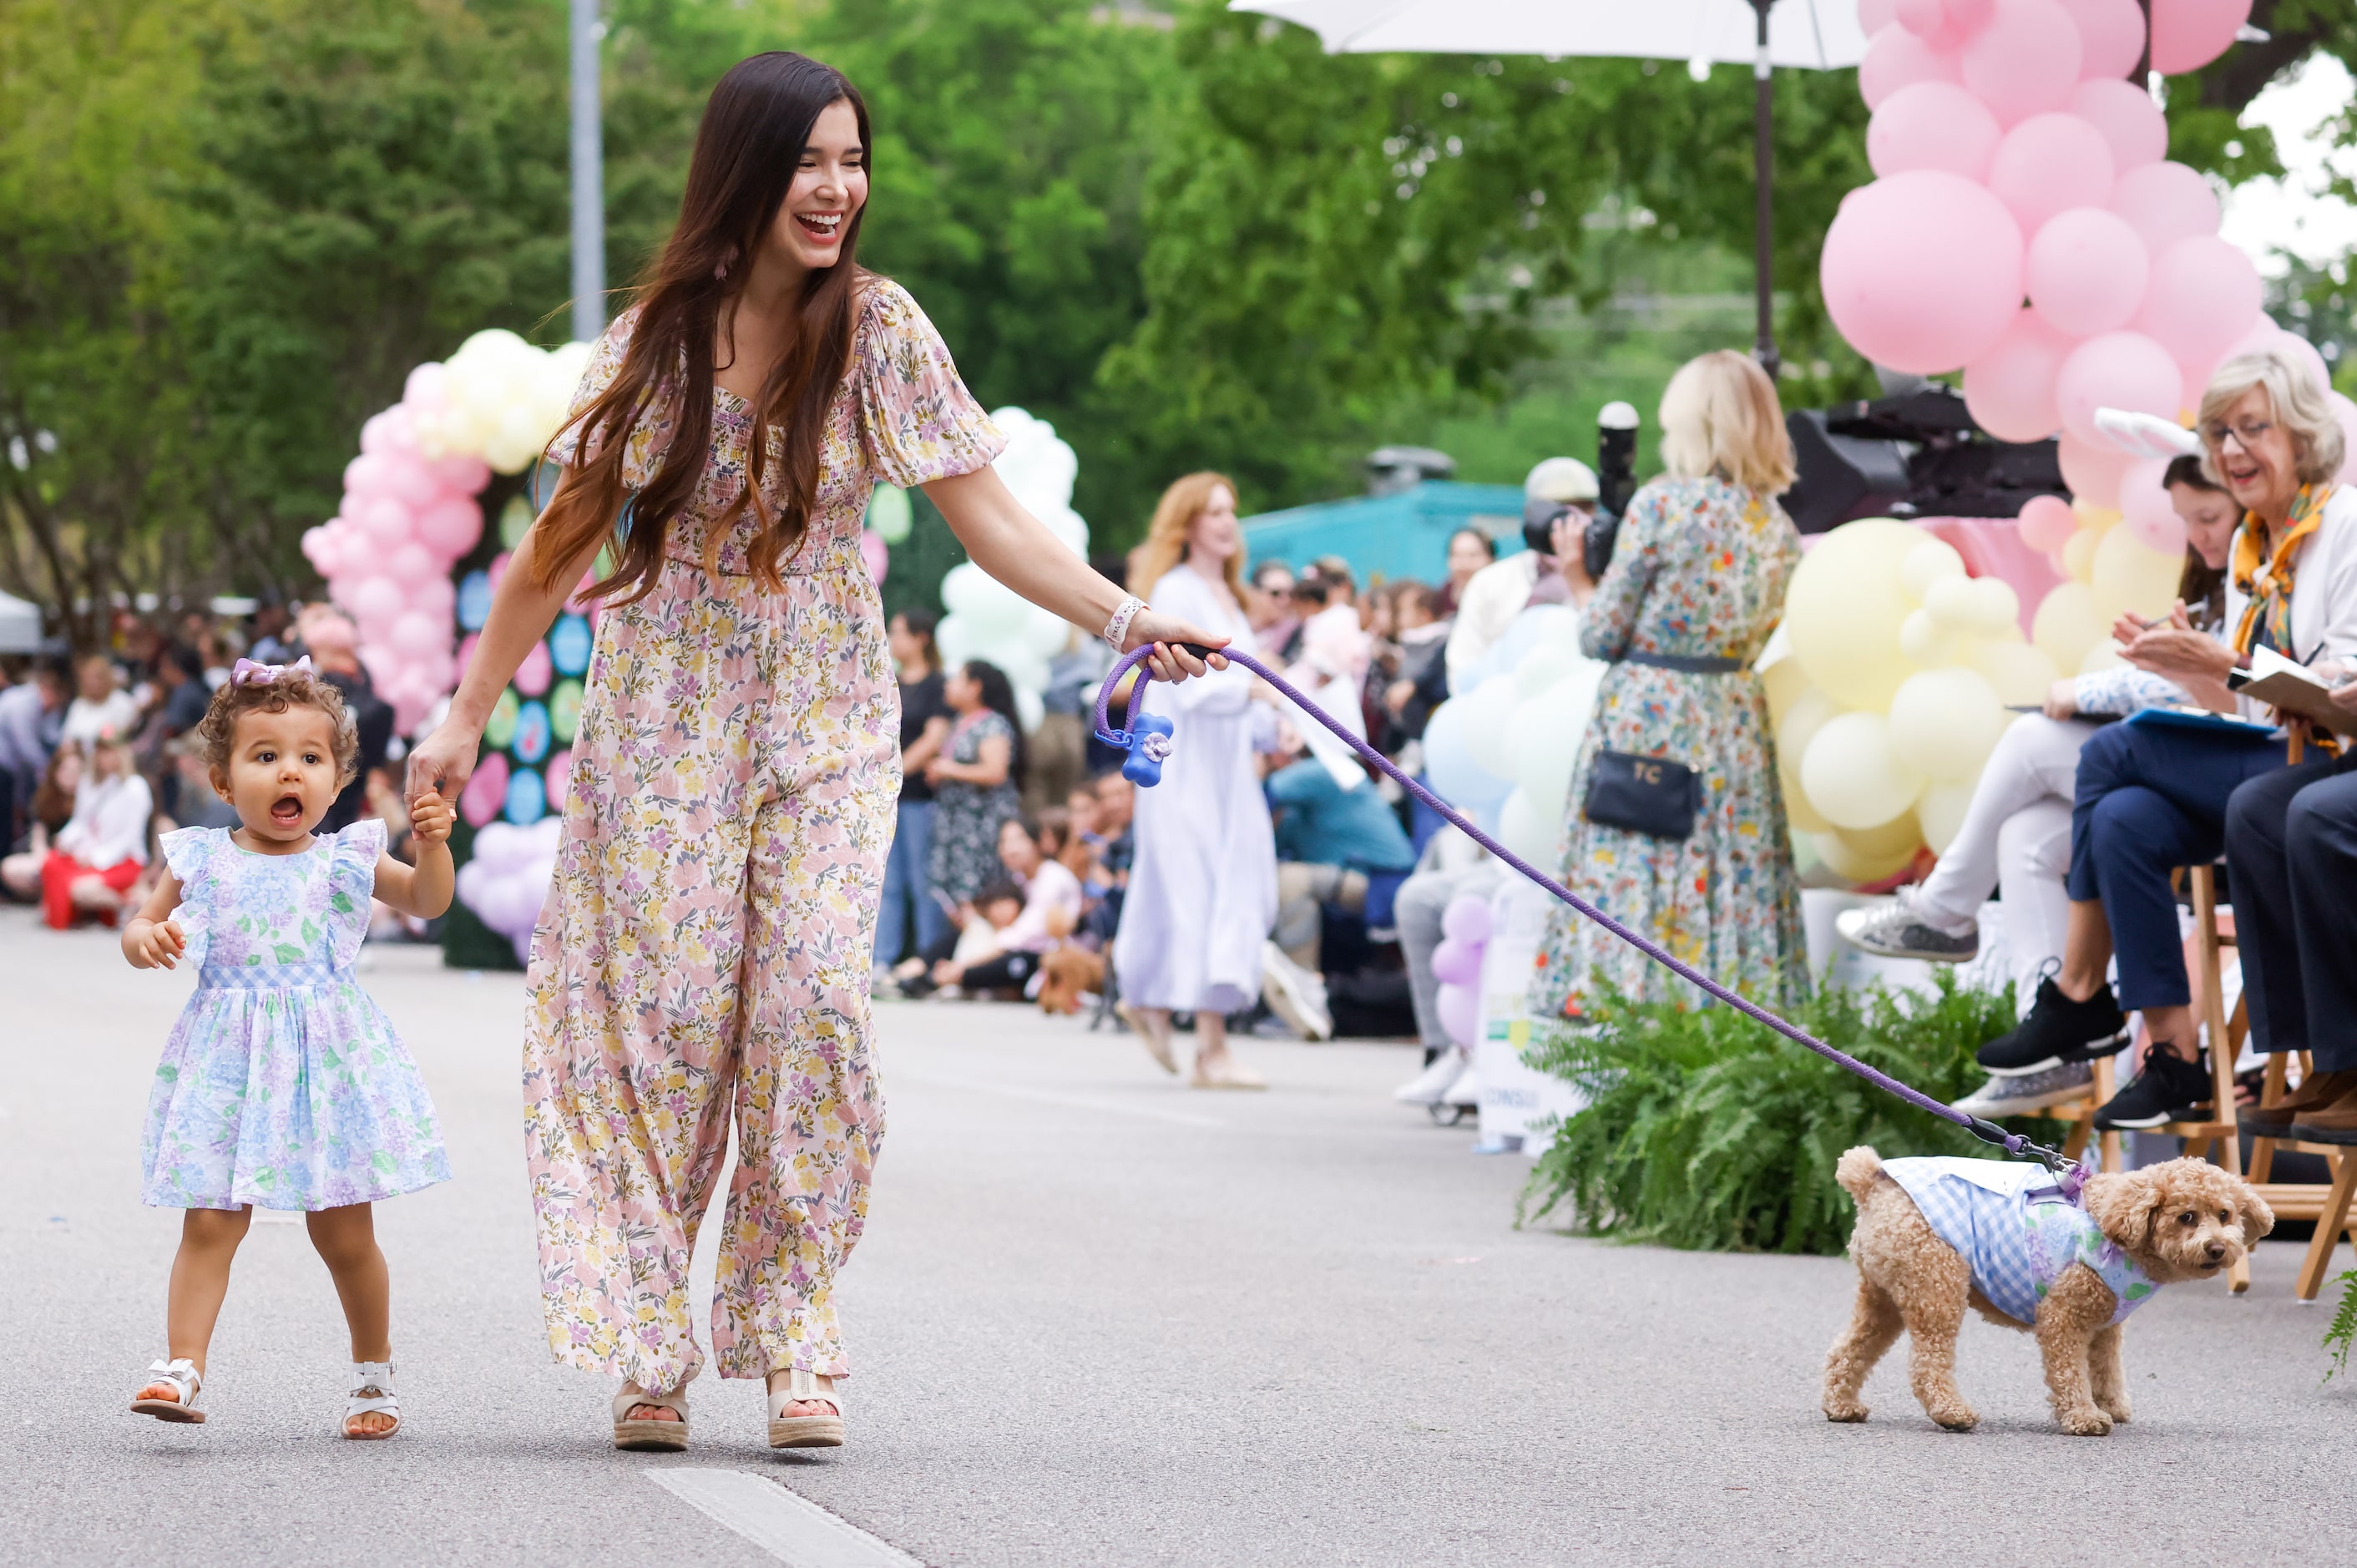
x,y
2146,434
248,672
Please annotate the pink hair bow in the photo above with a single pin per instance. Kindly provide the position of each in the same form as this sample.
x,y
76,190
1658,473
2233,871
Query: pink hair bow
x,y
250,673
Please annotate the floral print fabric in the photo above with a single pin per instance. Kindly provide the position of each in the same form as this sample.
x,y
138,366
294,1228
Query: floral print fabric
x,y
283,1084
705,950
1700,571
967,817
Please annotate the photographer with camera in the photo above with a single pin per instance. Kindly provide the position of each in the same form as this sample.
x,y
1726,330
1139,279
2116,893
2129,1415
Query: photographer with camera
x,y
1559,503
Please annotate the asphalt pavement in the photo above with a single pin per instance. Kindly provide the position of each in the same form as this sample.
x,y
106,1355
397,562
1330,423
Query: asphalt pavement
x,y
1098,1319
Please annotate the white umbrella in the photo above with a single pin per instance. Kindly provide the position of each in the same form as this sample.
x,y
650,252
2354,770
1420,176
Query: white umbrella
x,y
20,625
1815,35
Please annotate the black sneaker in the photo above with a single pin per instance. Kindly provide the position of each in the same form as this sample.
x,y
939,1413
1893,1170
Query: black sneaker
x,y
2168,1089
2058,1030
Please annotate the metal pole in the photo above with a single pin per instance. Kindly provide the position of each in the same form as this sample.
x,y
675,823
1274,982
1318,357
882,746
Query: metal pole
x,y
1763,121
588,178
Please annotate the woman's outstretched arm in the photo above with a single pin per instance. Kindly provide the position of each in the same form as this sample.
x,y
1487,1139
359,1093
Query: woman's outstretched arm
x,y
522,613
1015,547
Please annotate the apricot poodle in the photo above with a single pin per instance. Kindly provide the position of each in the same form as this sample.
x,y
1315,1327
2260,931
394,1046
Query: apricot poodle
x,y
2030,1260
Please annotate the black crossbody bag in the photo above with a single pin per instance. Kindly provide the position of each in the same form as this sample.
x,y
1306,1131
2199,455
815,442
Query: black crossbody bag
x,y
1648,795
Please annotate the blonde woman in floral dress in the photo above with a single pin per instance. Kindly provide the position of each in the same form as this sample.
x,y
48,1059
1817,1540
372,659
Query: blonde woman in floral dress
x,y
705,950
1695,586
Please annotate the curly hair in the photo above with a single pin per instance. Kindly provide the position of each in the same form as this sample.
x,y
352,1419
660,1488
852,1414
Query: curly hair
x,y
292,688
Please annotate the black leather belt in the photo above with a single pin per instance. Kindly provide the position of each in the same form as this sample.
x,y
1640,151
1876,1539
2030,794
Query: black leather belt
x,y
1684,663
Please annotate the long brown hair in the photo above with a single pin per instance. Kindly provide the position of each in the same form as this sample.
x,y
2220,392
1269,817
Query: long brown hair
x,y
1165,536
748,149
2201,585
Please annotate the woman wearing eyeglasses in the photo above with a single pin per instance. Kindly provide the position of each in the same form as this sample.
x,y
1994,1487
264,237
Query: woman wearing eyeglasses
x,y
2150,799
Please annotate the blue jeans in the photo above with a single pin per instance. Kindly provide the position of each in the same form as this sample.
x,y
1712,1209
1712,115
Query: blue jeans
x,y
904,884
2150,799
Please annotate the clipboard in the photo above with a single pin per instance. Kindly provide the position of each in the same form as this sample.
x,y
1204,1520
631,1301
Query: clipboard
x,y
2173,716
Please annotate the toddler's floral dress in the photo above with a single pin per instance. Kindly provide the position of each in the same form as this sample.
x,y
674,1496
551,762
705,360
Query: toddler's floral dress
x,y
283,1084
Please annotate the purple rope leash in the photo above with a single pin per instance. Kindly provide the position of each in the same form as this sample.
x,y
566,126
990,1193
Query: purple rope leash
x,y
1155,744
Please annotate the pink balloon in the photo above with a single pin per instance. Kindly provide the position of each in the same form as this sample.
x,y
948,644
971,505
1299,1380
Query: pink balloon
x,y
531,677
2024,61
1459,1007
2085,272
373,436
2303,353
376,598
2119,369
498,568
1931,125
364,477
386,524
2009,391
2111,37
2188,34
486,791
467,649
2092,472
2049,163
411,564
874,554
1466,919
2047,524
1922,272
435,595
427,388
2128,118
1896,58
1873,16
1457,964
407,479
2203,293
2165,202
461,475
2144,508
559,771
416,635
450,527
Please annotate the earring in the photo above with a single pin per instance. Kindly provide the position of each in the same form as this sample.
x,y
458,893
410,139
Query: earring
x,y
720,271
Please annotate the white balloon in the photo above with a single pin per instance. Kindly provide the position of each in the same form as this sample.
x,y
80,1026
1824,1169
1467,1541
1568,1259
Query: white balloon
x,y
1943,724
1028,709
1488,716
958,639
1527,829
1542,741
1541,666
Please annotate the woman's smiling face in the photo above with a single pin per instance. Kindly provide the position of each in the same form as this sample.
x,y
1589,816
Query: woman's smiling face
x,y
829,189
2252,453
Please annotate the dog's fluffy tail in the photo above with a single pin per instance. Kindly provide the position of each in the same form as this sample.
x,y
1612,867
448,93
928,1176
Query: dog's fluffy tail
x,y
1856,1170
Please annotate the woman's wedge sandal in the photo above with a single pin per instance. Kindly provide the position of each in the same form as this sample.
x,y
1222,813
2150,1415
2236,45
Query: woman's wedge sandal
x,y
805,1431
182,1375
371,1394
655,1436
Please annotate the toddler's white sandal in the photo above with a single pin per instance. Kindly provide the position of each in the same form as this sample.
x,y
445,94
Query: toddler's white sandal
x,y
371,1393
656,1436
805,1431
182,1374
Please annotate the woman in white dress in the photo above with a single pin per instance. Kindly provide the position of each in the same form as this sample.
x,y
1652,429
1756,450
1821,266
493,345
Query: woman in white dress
x,y
1202,890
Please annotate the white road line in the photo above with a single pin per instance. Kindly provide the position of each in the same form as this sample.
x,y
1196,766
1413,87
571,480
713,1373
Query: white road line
x,y
1070,1101
787,1525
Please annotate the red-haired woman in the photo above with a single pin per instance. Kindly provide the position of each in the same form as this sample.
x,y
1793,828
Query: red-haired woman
x,y
706,946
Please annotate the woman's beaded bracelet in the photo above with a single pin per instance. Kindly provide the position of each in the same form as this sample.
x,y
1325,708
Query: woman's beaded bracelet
x,y
1118,627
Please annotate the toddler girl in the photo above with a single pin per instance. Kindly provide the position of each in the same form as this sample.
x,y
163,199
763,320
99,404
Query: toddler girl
x,y
283,1084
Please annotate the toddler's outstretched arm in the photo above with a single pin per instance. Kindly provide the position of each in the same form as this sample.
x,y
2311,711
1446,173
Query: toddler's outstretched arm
x,y
423,889
150,939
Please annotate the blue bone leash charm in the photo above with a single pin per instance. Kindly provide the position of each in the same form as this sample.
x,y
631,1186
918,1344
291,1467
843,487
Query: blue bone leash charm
x,y
1148,743
1147,739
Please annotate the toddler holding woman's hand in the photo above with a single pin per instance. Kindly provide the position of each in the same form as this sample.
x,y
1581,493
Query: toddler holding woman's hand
x,y
283,1084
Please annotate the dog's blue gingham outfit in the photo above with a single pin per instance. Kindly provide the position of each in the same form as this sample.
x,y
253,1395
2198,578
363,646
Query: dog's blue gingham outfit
x,y
2017,1231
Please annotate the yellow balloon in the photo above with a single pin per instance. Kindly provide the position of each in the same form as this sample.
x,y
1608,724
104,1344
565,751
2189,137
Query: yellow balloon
x,y
1927,563
2067,624
1941,812
1799,725
1899,836
2095,519
1802,817
1852,774
2130,577
1955,603
1926,642
1943,722
2020,673
2079,554
1781,676
1844,610
1852,864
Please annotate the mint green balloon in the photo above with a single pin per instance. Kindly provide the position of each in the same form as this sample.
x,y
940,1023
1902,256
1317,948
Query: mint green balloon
x,y
501,727
565,711
514,518
888,514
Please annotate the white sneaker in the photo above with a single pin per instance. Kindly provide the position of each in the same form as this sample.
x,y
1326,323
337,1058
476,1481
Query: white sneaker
x,y
1431,1086
1892,928
1294,995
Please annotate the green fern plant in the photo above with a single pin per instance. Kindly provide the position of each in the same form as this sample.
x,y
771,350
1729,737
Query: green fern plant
x,y
2338,1337
1705,1130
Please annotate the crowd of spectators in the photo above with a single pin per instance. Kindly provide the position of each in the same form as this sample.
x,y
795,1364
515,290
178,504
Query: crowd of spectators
x,y
98,753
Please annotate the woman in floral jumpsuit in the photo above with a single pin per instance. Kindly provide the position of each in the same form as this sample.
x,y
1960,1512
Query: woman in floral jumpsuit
x,y
706,948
